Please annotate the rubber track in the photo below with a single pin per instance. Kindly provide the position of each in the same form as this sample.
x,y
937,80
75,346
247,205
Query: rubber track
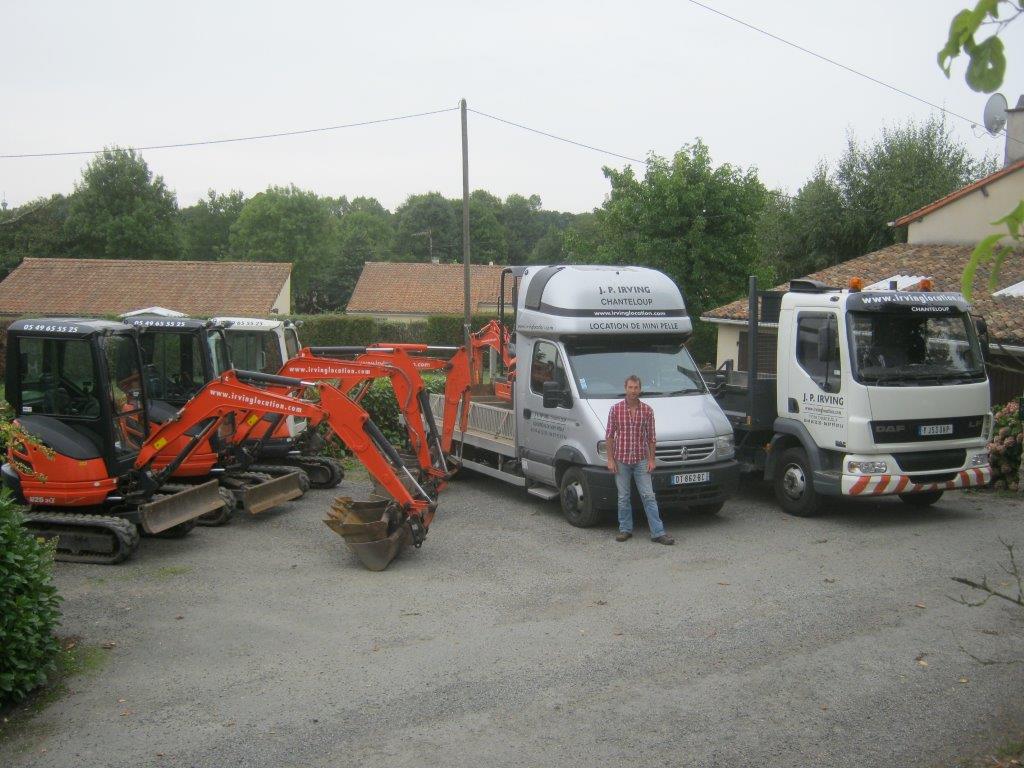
x,y
126,534
316,466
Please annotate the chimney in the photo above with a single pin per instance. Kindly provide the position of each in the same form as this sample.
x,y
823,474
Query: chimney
x,y
1014,133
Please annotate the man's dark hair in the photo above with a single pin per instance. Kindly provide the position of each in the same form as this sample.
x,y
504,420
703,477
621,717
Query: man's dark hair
x,y
633,377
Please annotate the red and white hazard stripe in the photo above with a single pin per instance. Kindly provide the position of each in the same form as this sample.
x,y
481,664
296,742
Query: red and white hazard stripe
x,y
882,485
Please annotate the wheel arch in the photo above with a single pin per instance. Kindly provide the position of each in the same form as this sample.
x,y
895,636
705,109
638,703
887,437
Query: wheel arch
x,y
790,433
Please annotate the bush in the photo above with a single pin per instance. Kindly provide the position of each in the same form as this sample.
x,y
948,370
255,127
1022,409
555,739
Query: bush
x,y
28,607
345,330
380,403
1004,451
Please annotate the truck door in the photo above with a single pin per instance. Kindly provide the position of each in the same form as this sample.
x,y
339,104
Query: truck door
x,y
543,430
815,394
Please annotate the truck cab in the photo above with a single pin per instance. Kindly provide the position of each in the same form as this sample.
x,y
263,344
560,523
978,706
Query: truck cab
x,y
579,331
876,392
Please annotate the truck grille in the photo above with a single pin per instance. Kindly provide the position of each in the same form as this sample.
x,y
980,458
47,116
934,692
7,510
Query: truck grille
x,y
680,454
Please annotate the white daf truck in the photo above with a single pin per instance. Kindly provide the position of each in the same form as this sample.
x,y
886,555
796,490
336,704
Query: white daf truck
x,y
865,393
579,331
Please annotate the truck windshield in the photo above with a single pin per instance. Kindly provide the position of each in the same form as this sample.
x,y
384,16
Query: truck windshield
x,y
664,366
900,349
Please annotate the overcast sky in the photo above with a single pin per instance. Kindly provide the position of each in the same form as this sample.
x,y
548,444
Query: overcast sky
x,y
628,77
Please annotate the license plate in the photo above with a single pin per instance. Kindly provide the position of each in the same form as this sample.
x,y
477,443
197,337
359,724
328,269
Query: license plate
x,y
935,429
691,477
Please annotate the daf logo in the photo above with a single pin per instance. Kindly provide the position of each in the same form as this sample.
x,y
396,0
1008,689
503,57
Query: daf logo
x,y
891,429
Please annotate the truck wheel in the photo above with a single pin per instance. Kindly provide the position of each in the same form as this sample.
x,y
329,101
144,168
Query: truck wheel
x,y
794,486
706,509
577,504
925,499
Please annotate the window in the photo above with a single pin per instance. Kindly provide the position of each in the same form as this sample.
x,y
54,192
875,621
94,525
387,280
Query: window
x,y
817,349
291,342
255,351
57,377
546,366
129,427
174,365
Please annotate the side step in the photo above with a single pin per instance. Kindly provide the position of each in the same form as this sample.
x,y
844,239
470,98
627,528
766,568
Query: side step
x,y
485,469
545,492
167,511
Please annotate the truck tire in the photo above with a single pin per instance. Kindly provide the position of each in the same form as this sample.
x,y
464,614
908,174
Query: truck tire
x,y
794,484
577,503
925,499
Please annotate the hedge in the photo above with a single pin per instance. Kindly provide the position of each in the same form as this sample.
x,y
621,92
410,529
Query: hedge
x,y
28,607
346,330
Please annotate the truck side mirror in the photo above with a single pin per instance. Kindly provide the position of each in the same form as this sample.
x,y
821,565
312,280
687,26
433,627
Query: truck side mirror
x,y
555,395
981,326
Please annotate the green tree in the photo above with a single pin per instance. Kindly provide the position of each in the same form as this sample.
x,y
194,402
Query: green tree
x,y
486,233
293,225
35,229
907,167
426,227
119,210
206,226
843,213
686,217
364,234
523,226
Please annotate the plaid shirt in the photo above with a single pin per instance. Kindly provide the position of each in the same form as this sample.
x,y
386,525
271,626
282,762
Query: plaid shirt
x,y
632,431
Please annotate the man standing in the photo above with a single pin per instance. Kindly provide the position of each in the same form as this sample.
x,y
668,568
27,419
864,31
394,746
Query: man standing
x,y
630,443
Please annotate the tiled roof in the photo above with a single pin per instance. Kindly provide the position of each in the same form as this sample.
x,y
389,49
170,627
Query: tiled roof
x,y
957,194
111,286
435,289
943,263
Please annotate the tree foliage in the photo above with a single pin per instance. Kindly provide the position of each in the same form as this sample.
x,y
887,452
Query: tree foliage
x,y
686,217
121,211
986,64
292,225
206,226
844,211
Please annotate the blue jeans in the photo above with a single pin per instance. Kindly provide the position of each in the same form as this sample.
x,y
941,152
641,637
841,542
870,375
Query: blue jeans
x,y
638,472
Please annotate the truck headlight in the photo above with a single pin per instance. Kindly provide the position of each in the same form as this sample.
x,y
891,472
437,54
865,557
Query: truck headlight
x,y
867,467
986,427
725,446
602,449
979,460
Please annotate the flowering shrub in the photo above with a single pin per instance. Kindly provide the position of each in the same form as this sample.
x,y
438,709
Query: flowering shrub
x,y
1004,450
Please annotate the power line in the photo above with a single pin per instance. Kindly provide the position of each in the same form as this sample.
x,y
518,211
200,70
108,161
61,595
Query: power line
x,y
557,138
835,63
239,138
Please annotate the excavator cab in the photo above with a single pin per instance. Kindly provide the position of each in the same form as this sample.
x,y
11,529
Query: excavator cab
x,y
78,385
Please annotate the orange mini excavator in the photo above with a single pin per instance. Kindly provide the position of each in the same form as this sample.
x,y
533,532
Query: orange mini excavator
x,y
181,355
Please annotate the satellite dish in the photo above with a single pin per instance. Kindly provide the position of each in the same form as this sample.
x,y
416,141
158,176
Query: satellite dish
x,y
995,113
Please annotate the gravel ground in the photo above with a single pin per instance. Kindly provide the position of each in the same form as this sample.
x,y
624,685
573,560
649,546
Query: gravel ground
x,y
513,639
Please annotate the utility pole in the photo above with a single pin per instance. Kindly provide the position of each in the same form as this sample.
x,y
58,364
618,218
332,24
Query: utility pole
x,y
465,233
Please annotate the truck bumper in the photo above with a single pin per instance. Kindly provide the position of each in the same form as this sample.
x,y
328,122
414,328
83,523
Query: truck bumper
x,y
886,485
723,478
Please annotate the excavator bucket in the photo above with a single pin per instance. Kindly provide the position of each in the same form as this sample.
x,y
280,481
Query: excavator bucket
x,y
371,529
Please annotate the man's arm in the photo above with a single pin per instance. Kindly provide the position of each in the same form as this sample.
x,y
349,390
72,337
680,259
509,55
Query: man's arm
x,y
609,439
651,443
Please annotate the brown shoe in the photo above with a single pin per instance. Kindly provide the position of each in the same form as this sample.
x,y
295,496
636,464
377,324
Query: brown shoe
x,y
664,539
623,536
